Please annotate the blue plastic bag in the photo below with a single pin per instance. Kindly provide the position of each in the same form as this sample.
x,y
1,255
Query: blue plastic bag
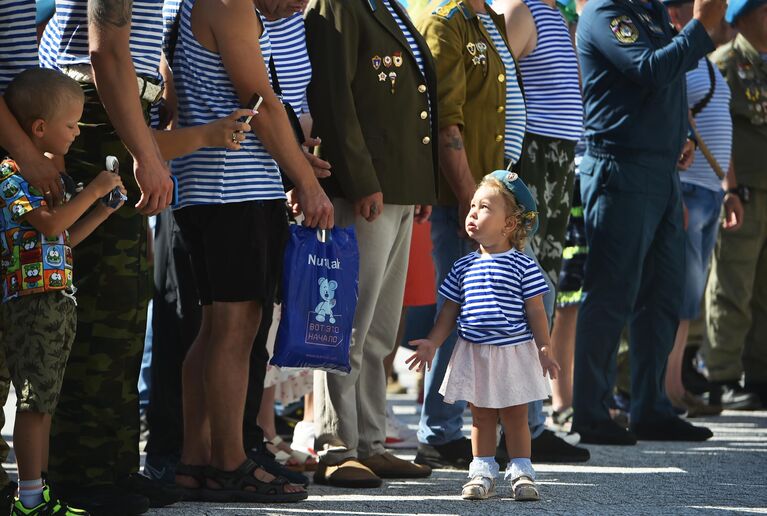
x,y
319,296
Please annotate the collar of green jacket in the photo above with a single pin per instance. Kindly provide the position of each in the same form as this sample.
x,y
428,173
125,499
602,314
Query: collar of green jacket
x,y
447,8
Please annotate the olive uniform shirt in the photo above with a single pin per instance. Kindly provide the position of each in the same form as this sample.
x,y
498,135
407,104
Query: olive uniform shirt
x,y
471,88
371,103
746,73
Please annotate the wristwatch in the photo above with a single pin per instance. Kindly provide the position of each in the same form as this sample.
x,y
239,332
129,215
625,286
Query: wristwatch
x,y
741,191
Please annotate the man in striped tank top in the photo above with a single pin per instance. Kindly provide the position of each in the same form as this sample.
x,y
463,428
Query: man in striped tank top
x,y
540,39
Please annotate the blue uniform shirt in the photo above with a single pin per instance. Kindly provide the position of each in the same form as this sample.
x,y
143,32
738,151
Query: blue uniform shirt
x,y
633,69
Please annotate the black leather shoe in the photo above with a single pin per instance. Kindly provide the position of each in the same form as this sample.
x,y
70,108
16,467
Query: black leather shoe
x,y
548,447
605,432
158,493
266,460
670,429
692,379
106,500
731,396
453,455
760,389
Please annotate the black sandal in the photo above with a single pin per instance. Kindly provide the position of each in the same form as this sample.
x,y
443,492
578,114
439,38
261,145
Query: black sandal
x,y
241,486
197,473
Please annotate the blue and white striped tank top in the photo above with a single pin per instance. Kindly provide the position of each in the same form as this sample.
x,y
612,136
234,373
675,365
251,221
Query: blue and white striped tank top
x,y
714,123
49,44
515,103
550,77
205,93
18,46
408,35
145,38
291,59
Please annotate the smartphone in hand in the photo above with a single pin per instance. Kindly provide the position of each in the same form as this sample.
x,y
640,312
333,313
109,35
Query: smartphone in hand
x,y
115,197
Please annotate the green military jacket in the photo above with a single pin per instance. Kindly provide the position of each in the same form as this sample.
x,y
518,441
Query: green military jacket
x,y
371,103
746,73
471,85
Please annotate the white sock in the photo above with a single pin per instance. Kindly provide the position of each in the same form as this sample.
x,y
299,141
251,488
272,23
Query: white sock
x,y
31,492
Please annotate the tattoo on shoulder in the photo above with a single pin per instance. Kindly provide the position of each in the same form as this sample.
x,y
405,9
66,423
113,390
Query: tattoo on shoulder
x,y
455,142
110,12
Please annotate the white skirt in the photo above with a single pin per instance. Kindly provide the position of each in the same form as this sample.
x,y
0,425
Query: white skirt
x,y
491,376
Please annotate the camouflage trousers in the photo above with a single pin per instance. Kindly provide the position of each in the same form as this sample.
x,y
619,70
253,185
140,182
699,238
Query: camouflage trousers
x,y
39,330
95,431
547,166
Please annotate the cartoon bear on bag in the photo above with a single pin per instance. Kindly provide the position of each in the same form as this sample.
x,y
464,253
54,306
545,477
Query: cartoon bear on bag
x,y
325,307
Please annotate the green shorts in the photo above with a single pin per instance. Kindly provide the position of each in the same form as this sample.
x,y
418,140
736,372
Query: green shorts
x,y
38,334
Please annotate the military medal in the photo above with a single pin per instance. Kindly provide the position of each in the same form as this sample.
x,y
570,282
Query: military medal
x,y
481,46
393,78
397,59
387,61
376,62
624,29
471,47
382,76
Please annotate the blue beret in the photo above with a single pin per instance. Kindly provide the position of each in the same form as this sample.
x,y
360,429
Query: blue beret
x,y
737,8
676,2
522,195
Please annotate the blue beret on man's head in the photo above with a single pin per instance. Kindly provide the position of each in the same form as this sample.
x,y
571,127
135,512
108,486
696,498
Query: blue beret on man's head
x,y
522,195
737,8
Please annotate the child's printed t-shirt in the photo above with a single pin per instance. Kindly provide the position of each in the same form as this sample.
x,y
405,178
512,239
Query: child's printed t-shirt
x,y
492,290
30,262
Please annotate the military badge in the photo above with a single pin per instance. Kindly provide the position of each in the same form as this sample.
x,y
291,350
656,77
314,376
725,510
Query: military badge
x,y
511,176
471,47
382,76
397,58
624,29
387,61
482,47
376,62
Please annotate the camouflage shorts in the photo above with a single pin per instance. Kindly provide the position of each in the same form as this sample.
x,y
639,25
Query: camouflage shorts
x,y
39,330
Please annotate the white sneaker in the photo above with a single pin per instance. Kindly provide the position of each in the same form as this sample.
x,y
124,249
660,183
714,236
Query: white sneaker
x,y
303,438
398,435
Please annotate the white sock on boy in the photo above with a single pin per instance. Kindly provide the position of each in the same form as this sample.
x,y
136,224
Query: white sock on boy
x,y
31,492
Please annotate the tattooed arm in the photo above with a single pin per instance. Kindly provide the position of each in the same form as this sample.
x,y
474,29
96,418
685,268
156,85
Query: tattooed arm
x,y
455,167
109,24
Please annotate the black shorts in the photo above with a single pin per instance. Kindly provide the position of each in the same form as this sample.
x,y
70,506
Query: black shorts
x,y
236,249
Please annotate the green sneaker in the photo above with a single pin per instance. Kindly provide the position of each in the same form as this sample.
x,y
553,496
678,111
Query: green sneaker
x,y
47,508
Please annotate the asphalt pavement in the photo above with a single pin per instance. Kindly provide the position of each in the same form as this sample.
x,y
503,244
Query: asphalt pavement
x,y
725,475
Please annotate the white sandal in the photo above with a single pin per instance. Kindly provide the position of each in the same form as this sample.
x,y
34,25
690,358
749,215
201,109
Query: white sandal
x,y
523,489
478,488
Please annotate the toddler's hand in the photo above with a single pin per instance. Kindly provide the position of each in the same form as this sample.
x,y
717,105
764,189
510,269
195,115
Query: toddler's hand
x,y
425,350
548,364
105,182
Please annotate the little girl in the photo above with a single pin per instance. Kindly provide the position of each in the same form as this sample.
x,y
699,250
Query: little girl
x,y
496,296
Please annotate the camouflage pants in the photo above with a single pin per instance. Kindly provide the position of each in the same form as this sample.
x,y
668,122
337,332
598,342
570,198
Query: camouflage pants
x,y
95,432
39,330
547,166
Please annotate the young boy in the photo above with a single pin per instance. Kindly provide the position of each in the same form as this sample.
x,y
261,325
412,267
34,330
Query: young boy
x,y
38,306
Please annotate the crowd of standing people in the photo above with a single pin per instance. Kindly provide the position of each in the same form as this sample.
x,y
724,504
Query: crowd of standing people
x,y
573,165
